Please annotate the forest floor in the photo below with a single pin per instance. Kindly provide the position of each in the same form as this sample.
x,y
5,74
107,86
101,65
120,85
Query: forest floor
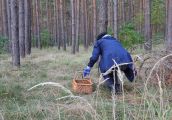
x,y
139,101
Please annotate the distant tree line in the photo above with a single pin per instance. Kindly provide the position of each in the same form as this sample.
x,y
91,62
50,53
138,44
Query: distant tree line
x,y
63,23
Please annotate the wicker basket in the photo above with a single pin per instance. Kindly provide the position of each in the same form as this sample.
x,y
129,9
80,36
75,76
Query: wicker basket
x,y
82,85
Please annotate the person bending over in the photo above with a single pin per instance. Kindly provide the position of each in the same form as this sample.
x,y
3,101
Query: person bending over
x,y
108,49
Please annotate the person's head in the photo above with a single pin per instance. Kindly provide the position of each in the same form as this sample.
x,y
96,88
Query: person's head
x,y
99,36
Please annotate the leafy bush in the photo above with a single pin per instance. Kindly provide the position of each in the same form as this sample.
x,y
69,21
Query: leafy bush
x,y
129,36
3,44
45,38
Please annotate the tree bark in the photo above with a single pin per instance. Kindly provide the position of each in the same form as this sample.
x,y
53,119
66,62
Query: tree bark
x,y
50,22
1,19
169,27
166,20
77,25
148,42
69,24
9,24
58,24
34,30
73,26
66,35
85,24
38,23
30,26
5,19
110,15
141,14
21,28
123,11
102,14
94,20
115,18
14,34
47,13
55,22
27,9
62,25
131,10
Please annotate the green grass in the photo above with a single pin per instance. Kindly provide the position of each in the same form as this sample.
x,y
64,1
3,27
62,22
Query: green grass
x,y
51,65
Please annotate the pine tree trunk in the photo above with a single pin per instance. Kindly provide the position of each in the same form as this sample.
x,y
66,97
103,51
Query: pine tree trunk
x,y
73,26
85,24
123,11
48,25
5,19
55,23
141,14
58,24
94,19
77,25
109,15
82,20
148,42
38,23
62,25
130,10
169,27
9,24
27,15
70,26
35,24
14,34
1,19
66,35
47,20
166,21
119,13
115,18
8,17
30,26
50,22
102,15
21,28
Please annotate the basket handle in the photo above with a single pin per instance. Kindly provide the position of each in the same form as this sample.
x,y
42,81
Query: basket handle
x,y
78,74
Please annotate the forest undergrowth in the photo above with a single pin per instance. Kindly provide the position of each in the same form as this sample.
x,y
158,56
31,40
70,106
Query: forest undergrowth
x,y
147,98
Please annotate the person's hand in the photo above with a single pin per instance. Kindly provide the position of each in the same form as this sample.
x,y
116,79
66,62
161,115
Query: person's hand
x,y
86,71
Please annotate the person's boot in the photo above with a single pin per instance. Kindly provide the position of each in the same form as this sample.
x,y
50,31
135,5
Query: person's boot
x,y
118,89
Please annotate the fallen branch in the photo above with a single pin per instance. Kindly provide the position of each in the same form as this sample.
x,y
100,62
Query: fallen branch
x,y
113,68
52,84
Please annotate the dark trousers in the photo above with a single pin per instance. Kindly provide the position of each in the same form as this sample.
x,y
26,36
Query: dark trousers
x,y
113,79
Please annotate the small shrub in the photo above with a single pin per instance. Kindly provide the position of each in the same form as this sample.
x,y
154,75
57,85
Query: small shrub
x,y
45,38
129,36
3,44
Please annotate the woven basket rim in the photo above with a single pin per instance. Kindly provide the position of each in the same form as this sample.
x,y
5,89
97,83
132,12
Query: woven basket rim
x,y
90,83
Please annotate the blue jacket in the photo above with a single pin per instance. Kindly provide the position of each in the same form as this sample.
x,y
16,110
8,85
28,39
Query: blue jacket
x,y
109,48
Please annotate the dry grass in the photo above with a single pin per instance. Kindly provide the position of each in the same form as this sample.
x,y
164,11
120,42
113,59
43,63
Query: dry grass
x,y
55,99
